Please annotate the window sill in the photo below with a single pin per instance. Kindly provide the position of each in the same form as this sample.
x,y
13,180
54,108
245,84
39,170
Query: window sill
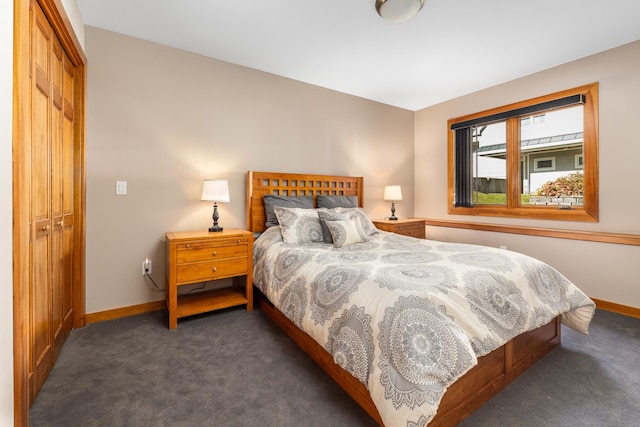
x,y
531,212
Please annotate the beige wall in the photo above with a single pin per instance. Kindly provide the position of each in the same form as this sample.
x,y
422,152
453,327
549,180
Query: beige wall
x,y
164,120
6,214
603,271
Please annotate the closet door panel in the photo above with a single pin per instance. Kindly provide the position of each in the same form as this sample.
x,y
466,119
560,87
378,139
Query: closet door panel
x,y
41,342
68,197
40,197
41,349
57,256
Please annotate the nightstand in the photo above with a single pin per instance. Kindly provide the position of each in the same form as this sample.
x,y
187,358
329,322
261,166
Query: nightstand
x,y
407,226
202,256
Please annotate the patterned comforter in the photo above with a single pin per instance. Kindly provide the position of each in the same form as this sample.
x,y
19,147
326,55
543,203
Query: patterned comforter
x,y
408,317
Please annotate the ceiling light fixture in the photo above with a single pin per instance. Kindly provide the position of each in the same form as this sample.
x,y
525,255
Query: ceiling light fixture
x,y
398,10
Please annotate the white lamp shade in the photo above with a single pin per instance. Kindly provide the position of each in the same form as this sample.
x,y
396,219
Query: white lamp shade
x,y
215,191
392,193
398,10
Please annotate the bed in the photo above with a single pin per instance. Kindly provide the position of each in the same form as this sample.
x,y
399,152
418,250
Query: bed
x,y
375,336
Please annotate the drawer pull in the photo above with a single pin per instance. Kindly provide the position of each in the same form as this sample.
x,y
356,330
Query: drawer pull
x,y
187,246
238,240
215,269
214,253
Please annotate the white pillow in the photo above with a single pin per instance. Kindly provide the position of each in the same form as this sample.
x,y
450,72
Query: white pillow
x,y
344,232
364,224
326,215
299,225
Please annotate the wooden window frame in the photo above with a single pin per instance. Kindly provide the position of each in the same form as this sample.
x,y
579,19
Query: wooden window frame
x,y
587,213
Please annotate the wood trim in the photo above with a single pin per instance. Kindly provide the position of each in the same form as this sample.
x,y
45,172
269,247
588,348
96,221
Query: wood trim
x,y
513,163
21,181
589,212
55,13
588,236
617,308
79,123
118,313
149,307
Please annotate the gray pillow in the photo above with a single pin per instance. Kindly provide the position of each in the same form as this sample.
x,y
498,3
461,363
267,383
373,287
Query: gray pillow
x,y
330,202
273,200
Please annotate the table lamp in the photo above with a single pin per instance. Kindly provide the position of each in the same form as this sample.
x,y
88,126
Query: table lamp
x,y
215,191
393,193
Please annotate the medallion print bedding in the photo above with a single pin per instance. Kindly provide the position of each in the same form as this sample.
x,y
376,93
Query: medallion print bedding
x,y
408,317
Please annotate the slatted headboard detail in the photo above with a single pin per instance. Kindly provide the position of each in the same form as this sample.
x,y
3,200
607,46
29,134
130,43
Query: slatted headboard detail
x,y
292,184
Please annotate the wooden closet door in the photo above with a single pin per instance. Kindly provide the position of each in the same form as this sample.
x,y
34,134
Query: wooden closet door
x,y
51,290
48,192
41,345
67,223
58,264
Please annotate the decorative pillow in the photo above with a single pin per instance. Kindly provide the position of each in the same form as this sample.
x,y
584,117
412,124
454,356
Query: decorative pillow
x,y
273,200
329,215
344,233
358,215
299,225
330,202
364,224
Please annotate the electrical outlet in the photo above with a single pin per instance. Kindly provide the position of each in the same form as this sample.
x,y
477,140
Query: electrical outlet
x,y
146,267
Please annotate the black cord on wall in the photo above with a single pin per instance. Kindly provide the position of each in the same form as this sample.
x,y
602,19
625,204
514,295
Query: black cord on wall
x,y
155,286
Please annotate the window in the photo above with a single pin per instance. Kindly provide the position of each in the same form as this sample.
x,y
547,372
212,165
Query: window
x,y
533,159
544,164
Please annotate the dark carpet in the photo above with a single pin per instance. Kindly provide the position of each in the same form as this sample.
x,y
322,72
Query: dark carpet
x,y
236,368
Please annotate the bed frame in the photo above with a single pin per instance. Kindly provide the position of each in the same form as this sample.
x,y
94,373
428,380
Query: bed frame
x,y
493,372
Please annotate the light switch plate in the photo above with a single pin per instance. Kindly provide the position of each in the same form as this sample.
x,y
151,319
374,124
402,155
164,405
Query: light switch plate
x,y
121,188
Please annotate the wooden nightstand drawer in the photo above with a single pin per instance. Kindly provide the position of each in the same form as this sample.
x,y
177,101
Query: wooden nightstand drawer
x,y
203,271
413,230
407,227
194,252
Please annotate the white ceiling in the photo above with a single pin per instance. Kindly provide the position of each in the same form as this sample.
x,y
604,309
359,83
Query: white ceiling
x,y
453,47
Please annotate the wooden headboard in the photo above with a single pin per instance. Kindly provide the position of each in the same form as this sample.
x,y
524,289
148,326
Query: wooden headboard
x,y
295,184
